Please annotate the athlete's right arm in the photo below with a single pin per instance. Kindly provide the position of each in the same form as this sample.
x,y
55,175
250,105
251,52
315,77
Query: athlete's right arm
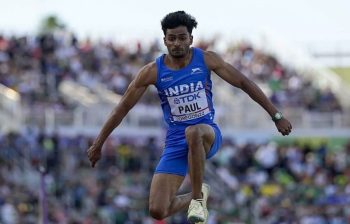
x,y
146,76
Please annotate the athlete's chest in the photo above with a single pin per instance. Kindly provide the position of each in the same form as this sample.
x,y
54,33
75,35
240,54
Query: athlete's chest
x,y
174,83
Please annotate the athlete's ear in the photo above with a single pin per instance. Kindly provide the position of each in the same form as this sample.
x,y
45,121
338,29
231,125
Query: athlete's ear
x,y
191,39
164,40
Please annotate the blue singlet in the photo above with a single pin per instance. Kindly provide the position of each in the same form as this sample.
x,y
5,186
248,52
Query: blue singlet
x,y
186,99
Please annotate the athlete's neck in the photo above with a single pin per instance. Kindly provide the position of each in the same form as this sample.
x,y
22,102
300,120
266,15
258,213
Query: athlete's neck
x,y
178,63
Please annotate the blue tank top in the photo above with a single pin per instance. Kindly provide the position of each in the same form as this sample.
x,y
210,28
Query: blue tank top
x,y
185,94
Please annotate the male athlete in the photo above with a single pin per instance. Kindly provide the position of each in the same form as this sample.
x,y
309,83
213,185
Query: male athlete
x,y
182,78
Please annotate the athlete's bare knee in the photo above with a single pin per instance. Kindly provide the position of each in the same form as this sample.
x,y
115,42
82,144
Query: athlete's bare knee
x,y
193,133
157,211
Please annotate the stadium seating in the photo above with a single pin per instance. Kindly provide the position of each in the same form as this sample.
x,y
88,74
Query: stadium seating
x,y
51,85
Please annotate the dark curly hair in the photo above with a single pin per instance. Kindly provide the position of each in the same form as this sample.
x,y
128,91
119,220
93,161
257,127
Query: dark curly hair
x,y
176,19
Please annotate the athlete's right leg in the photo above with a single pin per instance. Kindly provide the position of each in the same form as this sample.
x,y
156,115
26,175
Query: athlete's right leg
x,y
163,201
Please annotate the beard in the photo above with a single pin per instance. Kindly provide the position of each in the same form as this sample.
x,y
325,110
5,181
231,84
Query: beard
x,y
179,52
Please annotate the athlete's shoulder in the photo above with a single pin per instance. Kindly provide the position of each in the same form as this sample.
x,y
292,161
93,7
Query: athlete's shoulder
x,y
149,68
212,59
148,74
210,55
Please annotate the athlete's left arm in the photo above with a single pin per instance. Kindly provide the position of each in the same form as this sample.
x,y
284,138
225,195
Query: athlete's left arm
x,y
231,75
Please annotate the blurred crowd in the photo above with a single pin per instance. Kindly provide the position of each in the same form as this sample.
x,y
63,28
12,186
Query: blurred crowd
x,y
251,183
288,87
36,65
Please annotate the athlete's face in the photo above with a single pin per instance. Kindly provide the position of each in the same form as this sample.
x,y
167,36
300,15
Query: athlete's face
x,y
178,41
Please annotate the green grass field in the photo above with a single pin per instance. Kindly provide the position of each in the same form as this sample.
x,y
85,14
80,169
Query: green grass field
x,y
344,73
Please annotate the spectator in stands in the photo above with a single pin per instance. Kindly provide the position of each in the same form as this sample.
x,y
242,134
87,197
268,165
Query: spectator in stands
x,y
315,193
35,67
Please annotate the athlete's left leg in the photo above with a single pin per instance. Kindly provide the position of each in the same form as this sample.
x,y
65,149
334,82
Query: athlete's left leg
x,y
200,139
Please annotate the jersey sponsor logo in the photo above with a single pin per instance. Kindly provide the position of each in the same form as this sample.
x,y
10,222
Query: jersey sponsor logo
x,y
196,71
187,98
166,79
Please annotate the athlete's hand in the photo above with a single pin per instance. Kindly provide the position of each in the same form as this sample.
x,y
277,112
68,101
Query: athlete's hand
x,y
283,126
94,154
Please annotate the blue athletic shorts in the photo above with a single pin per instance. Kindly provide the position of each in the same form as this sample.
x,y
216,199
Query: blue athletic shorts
x,y
174,159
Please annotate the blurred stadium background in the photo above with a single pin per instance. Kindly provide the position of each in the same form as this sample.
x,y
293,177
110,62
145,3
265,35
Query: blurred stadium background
x,y
57,89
